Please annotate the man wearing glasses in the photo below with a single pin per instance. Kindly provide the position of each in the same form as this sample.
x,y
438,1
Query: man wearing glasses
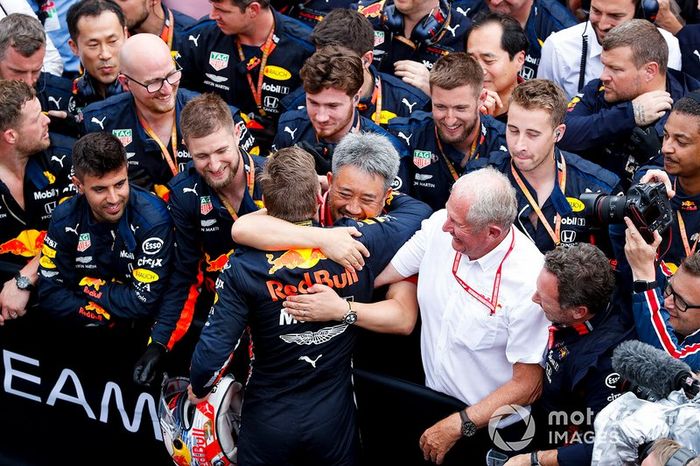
x,y
667,317
146,119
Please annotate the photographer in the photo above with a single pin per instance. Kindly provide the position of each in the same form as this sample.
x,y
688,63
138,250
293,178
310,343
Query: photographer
x,y
664,313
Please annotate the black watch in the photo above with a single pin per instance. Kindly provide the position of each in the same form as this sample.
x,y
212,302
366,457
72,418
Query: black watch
x,y
350,317
640,286
468,427
533,459
23,283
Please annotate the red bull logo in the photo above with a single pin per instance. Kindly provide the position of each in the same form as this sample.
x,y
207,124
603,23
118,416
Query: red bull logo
x,y
218,264
688,205
27,244
90,282
373,11
94,311
295,259
279,290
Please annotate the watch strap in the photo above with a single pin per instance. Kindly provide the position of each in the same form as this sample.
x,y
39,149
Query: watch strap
x,y
533,459
640,286
23,283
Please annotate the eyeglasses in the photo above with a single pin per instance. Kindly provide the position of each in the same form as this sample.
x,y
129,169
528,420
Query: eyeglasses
x,y
155,86
678,302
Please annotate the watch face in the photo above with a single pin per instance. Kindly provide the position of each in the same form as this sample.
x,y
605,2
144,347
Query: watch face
x,y
468,429
23,283
351,318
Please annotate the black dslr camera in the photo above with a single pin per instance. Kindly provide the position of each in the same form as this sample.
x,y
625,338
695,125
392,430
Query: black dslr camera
x,y
647,205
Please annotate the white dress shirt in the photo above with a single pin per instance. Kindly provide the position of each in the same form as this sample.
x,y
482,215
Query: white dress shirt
x,y
468,353
561,56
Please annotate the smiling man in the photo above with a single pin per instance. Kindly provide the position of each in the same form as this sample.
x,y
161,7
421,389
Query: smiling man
x,y
97,32
443,142
547,180
332,77
146,119
106,256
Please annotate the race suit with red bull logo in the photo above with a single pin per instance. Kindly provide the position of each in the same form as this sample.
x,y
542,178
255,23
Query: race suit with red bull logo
x,y
301,374
204,244
310,12
211,63
398,99
99,273
147,167
295,128
47,180
430,178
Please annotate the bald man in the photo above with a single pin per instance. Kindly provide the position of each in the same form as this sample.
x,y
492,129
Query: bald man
x,y
146,119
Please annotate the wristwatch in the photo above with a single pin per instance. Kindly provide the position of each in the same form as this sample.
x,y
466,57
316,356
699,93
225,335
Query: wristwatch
x,y
350,317
533,459
23,282
468,427
640,286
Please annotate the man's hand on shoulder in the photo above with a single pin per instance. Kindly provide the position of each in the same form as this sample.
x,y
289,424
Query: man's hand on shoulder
x,y
651,106
340,245
438,439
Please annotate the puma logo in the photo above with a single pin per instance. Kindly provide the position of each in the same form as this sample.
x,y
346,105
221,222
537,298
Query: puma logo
x,y
56,101
291,133
405,138
309,360
408,104
74,230
99,122
192,190
194,39
452,29
462,11
60,161
696,53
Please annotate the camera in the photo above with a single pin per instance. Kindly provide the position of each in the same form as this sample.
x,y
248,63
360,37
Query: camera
x,y
647,205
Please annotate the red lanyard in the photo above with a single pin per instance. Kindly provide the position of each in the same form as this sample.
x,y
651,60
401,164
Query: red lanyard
x,y
477,140
554,234
684,235
250,180
491,304
168,30
171,160
267,49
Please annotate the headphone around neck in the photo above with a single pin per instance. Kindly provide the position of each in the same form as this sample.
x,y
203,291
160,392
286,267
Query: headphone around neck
x,y
429,29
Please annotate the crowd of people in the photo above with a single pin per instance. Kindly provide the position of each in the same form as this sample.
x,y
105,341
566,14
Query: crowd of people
x,y
265,183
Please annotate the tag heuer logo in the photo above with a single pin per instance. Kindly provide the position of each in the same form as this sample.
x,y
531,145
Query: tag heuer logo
x,y
218,60
422,158
205,205
83,242
124,136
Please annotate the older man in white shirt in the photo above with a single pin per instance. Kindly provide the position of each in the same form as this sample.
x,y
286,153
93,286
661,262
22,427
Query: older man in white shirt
x,y
482,337
564,60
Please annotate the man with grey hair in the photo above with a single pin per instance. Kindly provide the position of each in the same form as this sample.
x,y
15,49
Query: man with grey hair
x,y
482,339
617,121
22,53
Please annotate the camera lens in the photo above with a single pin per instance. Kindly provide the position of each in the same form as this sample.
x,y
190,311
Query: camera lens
x,y
611,209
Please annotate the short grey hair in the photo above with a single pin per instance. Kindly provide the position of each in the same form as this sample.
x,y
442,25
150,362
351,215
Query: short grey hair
x,y
492,198
372,153
22,32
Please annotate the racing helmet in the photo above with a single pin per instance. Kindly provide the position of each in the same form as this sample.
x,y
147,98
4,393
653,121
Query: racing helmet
x,y
203,434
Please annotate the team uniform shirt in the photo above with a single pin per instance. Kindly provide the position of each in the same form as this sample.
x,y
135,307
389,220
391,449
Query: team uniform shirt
x,y
148,166
47,180
546,17
460,336
85,93
563,209
390,98
203,237
433,166
579,378
297,364
561,56
654,328
310,12
56,93
391,46
105,273
295,128
211,63
689,43
600,131
174,27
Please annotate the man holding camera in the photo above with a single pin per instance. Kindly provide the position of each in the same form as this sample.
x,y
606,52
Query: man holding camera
x,y
617,120
549,183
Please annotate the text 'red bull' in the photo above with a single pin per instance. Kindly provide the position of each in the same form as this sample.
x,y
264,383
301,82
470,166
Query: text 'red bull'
x,y
279,290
